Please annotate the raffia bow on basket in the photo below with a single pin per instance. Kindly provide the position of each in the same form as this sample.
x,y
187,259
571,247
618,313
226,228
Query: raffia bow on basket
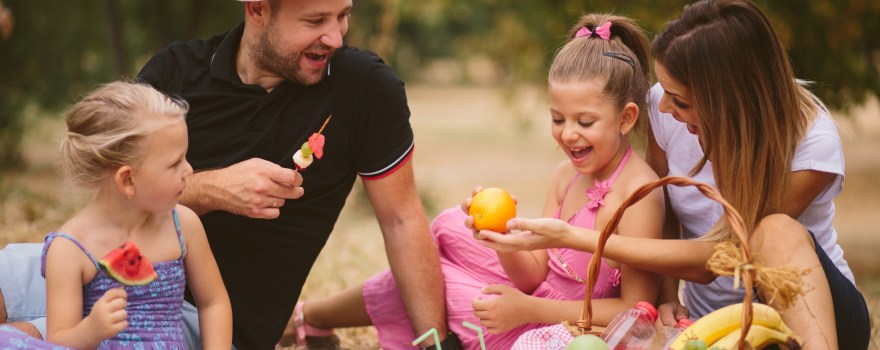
x,y
730,258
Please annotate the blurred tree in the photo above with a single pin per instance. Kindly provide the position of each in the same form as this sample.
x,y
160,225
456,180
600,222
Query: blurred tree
x,y
61,49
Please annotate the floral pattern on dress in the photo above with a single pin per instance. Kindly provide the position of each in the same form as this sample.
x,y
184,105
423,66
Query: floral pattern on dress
x,y
597,194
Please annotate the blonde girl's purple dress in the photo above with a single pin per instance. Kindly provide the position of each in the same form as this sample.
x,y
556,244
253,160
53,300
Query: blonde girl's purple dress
x,y
13,339
155,310
468,267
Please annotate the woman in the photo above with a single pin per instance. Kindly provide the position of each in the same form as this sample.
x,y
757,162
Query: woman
x,y
728,111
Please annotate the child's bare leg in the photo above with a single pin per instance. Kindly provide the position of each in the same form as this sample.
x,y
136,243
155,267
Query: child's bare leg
x,y
343,309
780,240
3,315
27,328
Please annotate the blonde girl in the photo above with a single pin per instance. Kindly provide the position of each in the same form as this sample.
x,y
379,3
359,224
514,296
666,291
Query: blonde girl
x,y
127,142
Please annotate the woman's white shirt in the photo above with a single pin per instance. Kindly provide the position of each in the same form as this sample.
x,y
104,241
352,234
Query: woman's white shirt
x,y
821,150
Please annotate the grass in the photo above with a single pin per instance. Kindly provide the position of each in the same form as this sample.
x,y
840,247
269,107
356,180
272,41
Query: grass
x,y
460,145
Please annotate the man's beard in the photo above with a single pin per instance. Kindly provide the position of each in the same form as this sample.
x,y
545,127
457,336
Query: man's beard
x,y
265,55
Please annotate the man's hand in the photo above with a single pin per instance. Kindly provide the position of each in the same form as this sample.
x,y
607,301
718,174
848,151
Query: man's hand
x,y
503,310
254,188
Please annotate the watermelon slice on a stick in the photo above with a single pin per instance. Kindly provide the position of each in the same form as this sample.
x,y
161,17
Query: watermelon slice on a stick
x,y
314,146
126,265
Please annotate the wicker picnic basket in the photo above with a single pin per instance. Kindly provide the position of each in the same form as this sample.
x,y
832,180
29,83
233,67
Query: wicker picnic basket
x,y
731,258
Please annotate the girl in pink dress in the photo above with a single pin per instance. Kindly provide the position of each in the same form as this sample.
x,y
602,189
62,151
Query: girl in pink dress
x,y
597,87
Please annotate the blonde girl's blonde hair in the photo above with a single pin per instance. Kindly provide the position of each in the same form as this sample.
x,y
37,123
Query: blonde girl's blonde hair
x,y
105,129
620,62
752,111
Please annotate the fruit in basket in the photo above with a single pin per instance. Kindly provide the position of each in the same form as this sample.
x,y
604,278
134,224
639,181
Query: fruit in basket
x,y
126,265
492,208
587,342
716,325
695,344
759,337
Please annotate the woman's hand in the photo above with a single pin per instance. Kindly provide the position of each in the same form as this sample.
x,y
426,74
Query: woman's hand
x,y
505,309
535,234
672,312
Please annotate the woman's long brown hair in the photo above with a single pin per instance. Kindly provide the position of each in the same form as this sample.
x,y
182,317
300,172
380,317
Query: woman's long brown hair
x,y
752,111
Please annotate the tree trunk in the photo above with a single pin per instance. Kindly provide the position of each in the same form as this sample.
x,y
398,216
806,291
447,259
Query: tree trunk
x,y
117,39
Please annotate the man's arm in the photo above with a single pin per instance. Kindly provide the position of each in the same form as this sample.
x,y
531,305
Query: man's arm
x,y
412,252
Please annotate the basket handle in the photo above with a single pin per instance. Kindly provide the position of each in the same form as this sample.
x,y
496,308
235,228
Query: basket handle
x,y
584,325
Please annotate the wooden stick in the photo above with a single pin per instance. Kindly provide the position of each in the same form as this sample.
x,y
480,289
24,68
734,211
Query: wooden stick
x,y
325,124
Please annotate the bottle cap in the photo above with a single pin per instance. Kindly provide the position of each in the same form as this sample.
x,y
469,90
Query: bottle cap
x,y
684,323
649,308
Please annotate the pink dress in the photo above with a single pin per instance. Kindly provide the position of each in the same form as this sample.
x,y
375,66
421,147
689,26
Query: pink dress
x,y
468,267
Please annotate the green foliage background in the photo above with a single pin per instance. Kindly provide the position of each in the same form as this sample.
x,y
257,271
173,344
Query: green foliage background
x,y
61,49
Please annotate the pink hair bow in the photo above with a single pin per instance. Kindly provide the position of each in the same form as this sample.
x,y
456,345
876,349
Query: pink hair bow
x,y
603,31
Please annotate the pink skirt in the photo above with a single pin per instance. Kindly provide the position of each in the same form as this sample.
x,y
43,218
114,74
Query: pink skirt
x,y
467,268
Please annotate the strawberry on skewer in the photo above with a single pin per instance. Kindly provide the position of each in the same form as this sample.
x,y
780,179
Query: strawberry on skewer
x,y
314,146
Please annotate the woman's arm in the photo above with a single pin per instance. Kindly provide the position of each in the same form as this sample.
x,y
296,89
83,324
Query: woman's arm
x,y
66,266
203,277
684,259
804,187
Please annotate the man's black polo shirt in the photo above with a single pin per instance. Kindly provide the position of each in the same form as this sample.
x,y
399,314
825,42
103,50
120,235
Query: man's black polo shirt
x,y
264,263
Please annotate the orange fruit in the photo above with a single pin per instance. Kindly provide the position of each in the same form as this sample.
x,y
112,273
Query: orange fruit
x,y
492,208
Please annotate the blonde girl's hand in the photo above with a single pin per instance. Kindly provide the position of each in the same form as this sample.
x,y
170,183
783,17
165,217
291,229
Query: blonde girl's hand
x,y
108,316
504,309
534,234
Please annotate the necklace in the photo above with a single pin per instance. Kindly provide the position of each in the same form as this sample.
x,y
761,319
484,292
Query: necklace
x,y
567,268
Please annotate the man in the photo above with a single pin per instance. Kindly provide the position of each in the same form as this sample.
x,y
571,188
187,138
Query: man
x,y
256,94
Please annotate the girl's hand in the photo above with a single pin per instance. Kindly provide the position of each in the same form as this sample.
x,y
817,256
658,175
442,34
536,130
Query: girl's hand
x,y
108,317
465,207
505,309
539,233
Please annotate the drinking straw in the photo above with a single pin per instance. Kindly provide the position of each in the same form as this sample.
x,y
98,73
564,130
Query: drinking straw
x,y
479,333
432,331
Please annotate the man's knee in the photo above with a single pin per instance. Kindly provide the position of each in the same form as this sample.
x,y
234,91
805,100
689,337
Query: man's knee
x,y
781,235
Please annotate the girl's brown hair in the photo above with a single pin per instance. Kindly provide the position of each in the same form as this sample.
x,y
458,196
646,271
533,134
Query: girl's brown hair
x,y
752,111
105,129
621,61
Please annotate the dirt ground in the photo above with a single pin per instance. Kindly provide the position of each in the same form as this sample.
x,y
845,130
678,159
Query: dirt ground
x,y
465,136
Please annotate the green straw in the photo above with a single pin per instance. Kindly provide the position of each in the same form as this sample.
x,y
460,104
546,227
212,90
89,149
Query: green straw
x,y
431,331
479,333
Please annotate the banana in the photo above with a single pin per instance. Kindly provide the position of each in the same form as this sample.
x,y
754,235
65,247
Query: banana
x,y
720,322
758,337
